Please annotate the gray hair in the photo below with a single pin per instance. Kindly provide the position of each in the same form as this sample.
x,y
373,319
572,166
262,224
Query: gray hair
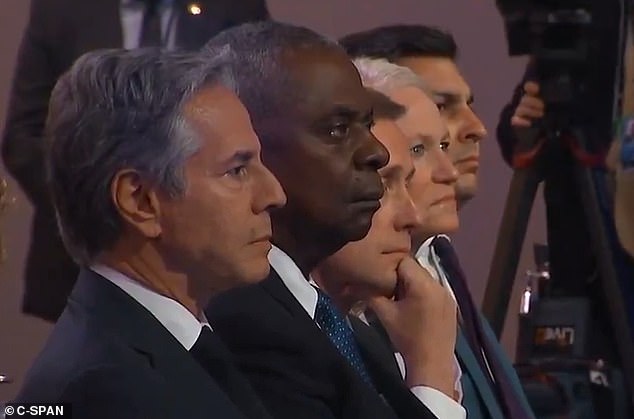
x,y
385,77
263,82
116,110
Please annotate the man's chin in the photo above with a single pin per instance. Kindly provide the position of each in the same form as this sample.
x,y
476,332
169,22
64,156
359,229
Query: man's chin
x,y
466,188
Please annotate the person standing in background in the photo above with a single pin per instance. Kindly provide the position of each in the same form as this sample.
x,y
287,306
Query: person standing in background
x,y
57,33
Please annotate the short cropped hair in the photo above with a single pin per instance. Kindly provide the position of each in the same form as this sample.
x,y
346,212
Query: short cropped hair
x,y
400,41
116,110
258,65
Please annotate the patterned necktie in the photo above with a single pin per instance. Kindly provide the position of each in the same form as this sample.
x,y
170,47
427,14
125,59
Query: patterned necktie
x,y
474,332
334,324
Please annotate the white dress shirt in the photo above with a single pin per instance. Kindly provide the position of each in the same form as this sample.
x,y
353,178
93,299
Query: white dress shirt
x,y
179,321
132,11
428,259
441,405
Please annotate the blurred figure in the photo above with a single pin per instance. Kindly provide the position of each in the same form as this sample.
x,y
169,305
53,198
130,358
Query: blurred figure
x,y
57,33
621,163
314,118
163,201
431,54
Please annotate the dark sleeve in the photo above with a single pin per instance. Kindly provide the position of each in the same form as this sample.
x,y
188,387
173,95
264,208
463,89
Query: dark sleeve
x,y
34,78
114,393
505,132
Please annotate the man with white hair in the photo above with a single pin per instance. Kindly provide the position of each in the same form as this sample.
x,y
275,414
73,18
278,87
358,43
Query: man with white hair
x,y
486,382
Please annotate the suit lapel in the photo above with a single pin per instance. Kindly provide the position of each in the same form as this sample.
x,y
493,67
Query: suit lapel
x,y
471,367
122,317
376,354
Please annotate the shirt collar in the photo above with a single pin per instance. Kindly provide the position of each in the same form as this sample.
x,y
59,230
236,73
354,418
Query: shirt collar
x,y
179,321
294,280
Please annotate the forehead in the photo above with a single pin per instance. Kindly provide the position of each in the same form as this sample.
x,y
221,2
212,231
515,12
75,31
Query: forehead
x,y
389,134
324,78
421,117
440,74
221,121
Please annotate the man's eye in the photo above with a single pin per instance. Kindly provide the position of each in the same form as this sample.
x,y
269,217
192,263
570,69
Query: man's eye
x,y
239,171
417,150
444,145
441,106
340,131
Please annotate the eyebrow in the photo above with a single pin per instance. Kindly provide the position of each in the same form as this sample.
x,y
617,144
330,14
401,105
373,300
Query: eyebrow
x,y
428,138
344,111
241,156
452,98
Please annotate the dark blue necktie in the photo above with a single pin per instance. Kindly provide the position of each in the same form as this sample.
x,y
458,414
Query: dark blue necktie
x,y
334,324
474,332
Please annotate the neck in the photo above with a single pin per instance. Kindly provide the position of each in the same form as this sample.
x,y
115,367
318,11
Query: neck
x,y
146,267
340,292
307,246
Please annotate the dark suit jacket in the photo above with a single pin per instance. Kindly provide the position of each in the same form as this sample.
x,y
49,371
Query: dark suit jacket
x,y
291,363
58,32
110,358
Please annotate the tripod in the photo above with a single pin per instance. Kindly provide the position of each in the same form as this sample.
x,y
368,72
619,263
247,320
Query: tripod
x,y
560,152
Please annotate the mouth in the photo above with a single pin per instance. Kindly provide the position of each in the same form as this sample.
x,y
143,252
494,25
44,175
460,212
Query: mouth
x,y
264,239
400,251
471,163
368,205
445,199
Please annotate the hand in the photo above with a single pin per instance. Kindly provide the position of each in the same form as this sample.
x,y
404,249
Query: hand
x,y
530,108
422,325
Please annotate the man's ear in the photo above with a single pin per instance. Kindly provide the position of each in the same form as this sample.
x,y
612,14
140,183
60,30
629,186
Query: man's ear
x,y
137,202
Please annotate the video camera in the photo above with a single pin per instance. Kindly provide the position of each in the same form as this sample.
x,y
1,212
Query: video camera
x,y
575,50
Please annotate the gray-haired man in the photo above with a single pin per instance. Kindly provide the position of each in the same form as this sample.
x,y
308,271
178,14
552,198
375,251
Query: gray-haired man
x,y
162,198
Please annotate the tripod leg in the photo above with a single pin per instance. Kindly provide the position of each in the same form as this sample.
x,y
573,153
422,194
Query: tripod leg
x,y
616,291
509,243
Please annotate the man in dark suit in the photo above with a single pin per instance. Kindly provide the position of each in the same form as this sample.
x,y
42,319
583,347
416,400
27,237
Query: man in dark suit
x,y
368,271
487,383
163,201
313,117
57,33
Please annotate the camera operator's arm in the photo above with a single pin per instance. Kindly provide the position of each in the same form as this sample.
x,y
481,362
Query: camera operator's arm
x,y
525,107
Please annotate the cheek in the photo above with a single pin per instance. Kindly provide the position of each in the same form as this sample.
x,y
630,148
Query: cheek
x,y
418,189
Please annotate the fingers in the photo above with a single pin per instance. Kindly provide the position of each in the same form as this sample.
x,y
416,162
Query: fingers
x,y
517,121
530,103
409,270
530,108
531,88
385,310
